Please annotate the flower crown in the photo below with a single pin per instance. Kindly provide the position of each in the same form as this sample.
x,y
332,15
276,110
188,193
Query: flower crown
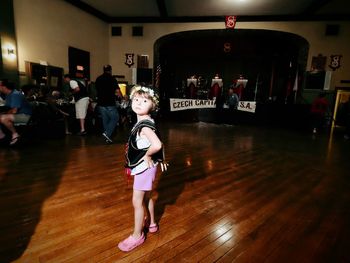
x,y
151,93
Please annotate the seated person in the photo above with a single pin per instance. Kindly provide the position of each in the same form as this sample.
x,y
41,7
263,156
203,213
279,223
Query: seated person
x,y
19,110
125,109
63,110
30,92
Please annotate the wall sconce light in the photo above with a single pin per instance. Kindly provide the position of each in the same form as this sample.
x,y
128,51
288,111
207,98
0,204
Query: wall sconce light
x,y
10,51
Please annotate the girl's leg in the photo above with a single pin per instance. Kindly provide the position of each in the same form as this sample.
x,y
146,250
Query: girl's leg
x,y
150,207
137,238
137,201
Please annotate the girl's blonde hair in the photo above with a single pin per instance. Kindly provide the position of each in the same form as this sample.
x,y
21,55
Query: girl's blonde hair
x,y
147,92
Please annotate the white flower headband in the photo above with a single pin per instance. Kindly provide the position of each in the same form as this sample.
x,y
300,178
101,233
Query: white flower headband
x,y
149,91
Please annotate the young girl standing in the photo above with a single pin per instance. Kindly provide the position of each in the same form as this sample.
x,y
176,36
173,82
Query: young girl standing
x,y
144,153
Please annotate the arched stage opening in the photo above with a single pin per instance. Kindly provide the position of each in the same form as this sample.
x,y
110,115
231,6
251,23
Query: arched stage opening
x,y
268,59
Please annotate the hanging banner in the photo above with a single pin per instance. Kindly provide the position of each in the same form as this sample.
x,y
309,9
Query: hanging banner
x,y
186,104
249,106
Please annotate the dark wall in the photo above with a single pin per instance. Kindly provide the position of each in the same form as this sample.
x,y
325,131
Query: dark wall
x,y
78,57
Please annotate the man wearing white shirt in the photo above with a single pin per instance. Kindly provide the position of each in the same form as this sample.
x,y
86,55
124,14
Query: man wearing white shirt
x,y
81,99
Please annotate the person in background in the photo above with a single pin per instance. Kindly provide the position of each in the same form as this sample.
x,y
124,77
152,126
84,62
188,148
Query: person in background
x,y
231,103
19,110
81,99
31,92
347,119
232,100
91,88
107,87
319,108
125,110
53,101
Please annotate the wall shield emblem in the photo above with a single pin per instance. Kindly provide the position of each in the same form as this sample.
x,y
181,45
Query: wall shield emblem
x,y
129,59
230,21
335,62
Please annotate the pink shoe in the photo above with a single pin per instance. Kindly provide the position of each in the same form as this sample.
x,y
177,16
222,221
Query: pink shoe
x,y
130,243
153,228
148,227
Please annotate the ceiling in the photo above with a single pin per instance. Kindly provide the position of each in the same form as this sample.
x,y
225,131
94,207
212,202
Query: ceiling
x,y
131,11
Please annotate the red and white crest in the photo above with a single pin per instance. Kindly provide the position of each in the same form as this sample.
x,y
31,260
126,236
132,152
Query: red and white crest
x,y
230,21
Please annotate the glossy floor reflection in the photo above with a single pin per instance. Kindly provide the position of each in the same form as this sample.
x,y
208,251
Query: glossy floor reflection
x,y
242,194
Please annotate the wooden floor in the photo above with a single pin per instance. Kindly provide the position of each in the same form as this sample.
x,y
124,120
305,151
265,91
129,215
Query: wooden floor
x,y
232,194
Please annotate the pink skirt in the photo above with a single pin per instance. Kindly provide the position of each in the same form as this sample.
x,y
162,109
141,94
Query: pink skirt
x,y
143,181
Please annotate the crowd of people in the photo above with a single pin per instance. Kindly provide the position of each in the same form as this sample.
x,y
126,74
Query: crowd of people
x,y
80,106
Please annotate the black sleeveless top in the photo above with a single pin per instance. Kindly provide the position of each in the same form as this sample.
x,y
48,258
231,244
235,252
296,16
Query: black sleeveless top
x,y
133,155
82,93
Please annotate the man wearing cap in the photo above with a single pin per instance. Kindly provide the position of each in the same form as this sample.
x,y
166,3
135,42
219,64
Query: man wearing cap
x,y
106,87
